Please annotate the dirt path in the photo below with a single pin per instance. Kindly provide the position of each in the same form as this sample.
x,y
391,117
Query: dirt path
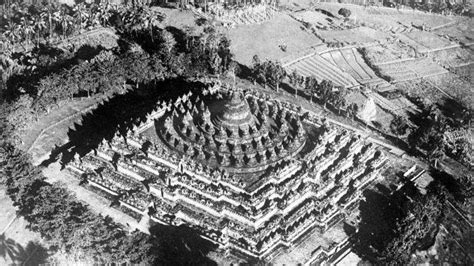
x,y
74,115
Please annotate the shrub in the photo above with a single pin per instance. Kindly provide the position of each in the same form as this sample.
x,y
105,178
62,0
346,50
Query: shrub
x,y
344,12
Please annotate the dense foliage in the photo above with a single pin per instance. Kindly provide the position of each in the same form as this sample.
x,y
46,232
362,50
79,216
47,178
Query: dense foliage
x,y
24,24
268,72
67,224
399,125
431,134
344,12
421,223
325,91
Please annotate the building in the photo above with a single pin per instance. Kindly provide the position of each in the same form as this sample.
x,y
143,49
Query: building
x,y
238,166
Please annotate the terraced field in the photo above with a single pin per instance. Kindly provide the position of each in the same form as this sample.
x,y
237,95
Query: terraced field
x,y
410,69
317,66
350,61
428,40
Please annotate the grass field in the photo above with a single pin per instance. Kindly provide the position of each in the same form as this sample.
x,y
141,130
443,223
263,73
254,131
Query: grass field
x,y
264,39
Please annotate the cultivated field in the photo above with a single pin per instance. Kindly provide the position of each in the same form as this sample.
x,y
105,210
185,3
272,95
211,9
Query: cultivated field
x,y
359,36
320,68
410,69
454,57
387,52
350,61
461,31
428,40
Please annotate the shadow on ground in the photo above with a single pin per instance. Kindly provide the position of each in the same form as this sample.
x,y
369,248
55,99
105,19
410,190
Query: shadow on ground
x,y
379,212
120,114
182,245
32,254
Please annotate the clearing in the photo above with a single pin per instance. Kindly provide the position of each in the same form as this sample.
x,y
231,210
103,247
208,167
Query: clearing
x,y
265,39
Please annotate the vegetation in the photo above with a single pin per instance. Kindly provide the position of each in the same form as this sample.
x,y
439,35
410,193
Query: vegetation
x,y
344,12
26,24
67,224
399,125
268,72
430,136
419,225
463,9
40,79
36,81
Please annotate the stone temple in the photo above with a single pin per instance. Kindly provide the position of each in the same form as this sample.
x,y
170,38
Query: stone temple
x,y
251,173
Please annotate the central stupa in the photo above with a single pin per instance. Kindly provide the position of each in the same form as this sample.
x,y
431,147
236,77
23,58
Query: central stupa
x,y
235,113
229,131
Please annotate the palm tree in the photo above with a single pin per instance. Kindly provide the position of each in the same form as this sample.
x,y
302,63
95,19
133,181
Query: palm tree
x,y
104,13
53,18
28,30
66,21
80,15
8,247
40,26
12,32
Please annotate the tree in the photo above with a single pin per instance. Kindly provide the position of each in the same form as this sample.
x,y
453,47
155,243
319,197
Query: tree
x,y
338,100
311,87
66,223
463,151
167,42
224,53
275,73
423,218
344,12
325,91
255,68
80,15
293,77
436,149
399,125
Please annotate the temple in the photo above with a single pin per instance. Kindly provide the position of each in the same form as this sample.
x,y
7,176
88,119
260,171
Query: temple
x,y
249,172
